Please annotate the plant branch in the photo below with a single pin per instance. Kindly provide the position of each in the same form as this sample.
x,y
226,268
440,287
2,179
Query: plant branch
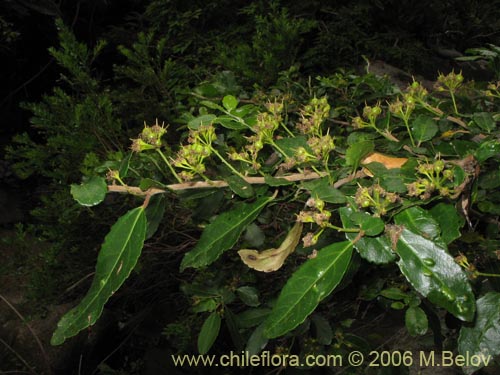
x,y
220,183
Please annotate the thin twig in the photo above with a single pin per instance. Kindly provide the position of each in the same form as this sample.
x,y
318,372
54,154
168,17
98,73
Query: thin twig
x,y
42,349
71,287
32,370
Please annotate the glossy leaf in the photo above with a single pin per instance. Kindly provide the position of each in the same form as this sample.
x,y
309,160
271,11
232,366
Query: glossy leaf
x,y
490,179
123,171
323,329
147,183
486,150
240,186
276,181
324,191
421,222
484,120
249,295
206,304
91,192
202,120
230,102
376,250
369,224
424,128
449,221
307,287
244,110
230,123
433,272
257,341
232,326
289,145
211,105
416,321
222,233
117,258
209,332
252,317
254,236
394,179
481,340
393,293
154,214
357,151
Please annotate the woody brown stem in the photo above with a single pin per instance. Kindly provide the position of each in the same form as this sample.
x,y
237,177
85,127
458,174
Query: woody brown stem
x,y
220,184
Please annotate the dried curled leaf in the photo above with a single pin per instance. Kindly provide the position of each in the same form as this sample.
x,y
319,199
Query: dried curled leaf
x,y
389,162
272,259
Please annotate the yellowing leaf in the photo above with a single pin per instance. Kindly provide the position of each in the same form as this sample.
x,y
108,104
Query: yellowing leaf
x,y
390,162
272,259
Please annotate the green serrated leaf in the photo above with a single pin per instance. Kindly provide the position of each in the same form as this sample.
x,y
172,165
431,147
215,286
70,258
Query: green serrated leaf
x,y
240,186
486,150
371,225
257,341
244,110
484,120
211,105
195,123
230,123
232,326
207,89
490,179
154,214
421,222
307,287
207,304
357,151
416,321
424,128
324,191
289,145
252,317
434,273
481,340
118,256
323,330
398,305
209,332
254,236
393,293
449,221
376,250
91,192
276,181
147,183
123,170
394,179
230,102
249,295
223,233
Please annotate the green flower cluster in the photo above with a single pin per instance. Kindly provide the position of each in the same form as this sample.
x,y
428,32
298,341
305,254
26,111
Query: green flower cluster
x,y
433,177
316,214
267,123
376,198
150,138
191,157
